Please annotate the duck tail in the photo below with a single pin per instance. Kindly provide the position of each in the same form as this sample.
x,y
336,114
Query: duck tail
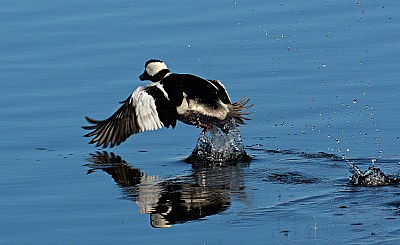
x,y
237,110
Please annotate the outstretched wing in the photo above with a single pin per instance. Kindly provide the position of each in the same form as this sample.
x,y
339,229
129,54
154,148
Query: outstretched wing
x,y
138,113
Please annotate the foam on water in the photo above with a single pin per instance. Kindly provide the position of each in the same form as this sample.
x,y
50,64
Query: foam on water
x,y
215,147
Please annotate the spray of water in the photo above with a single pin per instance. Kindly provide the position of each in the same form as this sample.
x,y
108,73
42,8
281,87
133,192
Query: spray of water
x,y
371,177
216,147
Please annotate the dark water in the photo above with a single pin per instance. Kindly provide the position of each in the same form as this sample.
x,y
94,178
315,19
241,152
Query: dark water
x,y
324,78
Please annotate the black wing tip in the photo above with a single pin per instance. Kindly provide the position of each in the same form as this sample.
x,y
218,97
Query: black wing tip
x,y
92,121
102,144
91,127
99,142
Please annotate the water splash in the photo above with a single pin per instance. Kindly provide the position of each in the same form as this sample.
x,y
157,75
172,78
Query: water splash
x,y
216,147
371,177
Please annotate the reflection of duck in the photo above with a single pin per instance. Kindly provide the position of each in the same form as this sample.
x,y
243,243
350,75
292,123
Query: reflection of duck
x,y
206,191
170,97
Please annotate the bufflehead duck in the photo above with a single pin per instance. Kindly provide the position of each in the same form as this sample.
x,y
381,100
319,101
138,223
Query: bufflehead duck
x,y
168,98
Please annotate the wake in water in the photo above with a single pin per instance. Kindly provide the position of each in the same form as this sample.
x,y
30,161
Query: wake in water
x,y
216,147
372,176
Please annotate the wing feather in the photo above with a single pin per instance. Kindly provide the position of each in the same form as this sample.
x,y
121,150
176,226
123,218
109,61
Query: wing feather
x,y
138,113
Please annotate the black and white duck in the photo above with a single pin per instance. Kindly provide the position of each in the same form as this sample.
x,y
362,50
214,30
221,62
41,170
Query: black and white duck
x,y
168,98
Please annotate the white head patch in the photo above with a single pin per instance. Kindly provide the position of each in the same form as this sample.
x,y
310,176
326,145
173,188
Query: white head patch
x,y
154,67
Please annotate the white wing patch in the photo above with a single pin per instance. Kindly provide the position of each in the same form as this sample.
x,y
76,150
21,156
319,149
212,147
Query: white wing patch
x,y
145,110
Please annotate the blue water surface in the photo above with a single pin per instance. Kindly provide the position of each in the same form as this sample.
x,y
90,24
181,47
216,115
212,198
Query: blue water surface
x,y
324,80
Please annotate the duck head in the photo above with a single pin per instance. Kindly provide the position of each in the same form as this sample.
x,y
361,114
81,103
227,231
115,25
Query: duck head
x,y
154,70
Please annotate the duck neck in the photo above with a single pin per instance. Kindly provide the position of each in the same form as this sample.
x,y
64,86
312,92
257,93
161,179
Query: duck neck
x,y
160,75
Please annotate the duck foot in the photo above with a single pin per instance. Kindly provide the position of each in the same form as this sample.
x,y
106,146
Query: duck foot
x,y
206,127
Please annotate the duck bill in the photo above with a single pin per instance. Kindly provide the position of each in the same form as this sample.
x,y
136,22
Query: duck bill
x,y
144,76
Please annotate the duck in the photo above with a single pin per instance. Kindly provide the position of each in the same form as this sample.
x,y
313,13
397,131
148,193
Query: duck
x,y
170,97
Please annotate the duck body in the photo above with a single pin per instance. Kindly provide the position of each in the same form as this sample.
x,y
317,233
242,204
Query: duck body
x,y
197,100
168,98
